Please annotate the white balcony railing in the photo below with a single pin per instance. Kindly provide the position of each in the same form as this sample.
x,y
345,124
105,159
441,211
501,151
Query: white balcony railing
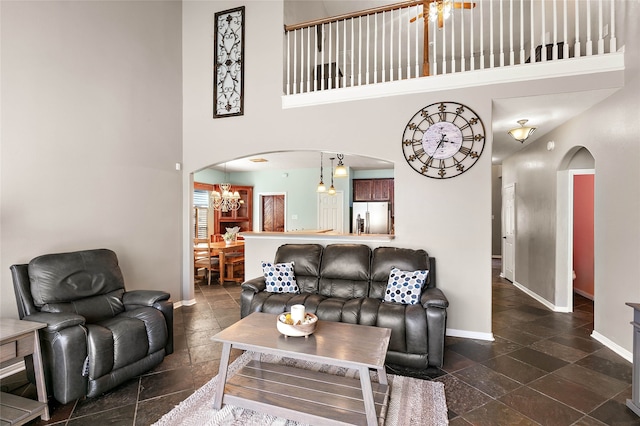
x,y
388,43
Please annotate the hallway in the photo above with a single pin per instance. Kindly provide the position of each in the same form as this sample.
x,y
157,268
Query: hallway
x,y
542,368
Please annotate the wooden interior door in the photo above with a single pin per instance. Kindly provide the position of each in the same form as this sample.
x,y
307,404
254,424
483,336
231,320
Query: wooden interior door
x,y
509,237
273,213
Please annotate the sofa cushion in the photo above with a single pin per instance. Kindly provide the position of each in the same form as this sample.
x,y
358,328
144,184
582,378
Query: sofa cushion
x,y
345,271
385,258
405,286
65,277
279,277
93,309
306,259
87,283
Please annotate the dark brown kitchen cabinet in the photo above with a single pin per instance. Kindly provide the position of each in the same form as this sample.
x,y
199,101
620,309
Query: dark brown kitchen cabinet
x,y
373,190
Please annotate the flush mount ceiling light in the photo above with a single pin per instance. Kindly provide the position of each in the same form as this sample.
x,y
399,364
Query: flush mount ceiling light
x,y
321,186
522,133
341,170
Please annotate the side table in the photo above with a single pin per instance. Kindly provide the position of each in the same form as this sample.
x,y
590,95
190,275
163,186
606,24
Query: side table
x,y
17,340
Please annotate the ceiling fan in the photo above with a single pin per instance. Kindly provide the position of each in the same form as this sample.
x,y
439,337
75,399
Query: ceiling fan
x,y
441,9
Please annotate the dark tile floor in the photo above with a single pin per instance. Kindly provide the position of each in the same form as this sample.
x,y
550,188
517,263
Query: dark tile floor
x,y
542,368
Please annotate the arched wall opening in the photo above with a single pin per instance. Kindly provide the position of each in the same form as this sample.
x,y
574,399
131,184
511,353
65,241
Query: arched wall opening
x,y
575,227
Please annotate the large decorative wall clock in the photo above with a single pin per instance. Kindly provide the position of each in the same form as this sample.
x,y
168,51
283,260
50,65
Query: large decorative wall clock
x,y
228,85
443,140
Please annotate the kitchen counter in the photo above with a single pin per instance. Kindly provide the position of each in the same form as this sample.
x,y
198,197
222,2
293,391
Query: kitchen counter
x,y
319,234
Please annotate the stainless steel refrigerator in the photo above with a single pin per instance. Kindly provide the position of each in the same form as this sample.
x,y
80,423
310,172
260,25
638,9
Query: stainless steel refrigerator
x,y
372,217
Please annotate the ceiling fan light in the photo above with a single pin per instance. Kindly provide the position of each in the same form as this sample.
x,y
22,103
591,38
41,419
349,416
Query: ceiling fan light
x,y
522,133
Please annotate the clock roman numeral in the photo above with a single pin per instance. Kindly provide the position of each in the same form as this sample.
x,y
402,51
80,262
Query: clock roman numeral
x,y
418,154
465,150
413,142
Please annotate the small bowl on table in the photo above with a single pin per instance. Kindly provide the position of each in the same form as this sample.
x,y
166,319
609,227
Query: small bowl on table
x,y
297,330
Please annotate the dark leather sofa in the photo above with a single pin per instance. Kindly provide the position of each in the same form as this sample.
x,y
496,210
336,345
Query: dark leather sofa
x,y
98,335
347,283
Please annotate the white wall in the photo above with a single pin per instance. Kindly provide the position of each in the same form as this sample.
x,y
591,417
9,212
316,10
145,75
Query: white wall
x,y
91,132
451,219
610,132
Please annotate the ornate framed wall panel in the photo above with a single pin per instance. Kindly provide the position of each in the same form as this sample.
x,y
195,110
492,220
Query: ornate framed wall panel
x,y
228,79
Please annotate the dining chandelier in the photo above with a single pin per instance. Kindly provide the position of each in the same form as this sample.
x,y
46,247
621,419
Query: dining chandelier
x,y
225,200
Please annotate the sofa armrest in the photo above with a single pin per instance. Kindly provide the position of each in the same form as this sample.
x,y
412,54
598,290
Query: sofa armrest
x,y
56,321
434,298
137,298
256,284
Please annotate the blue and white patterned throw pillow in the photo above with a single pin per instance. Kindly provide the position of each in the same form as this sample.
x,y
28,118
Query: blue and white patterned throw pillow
x,y
405,286
280,278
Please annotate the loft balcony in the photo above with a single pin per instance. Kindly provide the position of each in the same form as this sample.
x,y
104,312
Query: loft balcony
x,y
431,45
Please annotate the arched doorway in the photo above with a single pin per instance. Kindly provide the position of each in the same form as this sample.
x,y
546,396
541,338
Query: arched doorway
x,y
574,241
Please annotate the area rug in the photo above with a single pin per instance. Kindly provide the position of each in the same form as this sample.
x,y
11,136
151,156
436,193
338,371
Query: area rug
x,y
412,401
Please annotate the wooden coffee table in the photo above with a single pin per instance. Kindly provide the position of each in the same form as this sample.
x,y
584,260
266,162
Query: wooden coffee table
x,y
303,395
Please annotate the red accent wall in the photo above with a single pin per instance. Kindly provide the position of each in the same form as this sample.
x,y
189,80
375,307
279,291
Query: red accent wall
x,y
583,188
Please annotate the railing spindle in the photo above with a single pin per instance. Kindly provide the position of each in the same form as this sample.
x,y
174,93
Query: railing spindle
x,y
491,55
501,53
589,44
565,46
353,50
522,32
344,52
481,34
416,51
554,49
612,19
463,63
511,52
543,36
472,65
600,27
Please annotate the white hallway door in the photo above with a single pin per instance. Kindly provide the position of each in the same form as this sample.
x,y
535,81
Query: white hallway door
x,y
509,231
331,211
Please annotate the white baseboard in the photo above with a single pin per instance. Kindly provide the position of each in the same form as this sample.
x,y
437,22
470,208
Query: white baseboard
x,y
613,346
540,299
469,334
12,369
583,293
191,302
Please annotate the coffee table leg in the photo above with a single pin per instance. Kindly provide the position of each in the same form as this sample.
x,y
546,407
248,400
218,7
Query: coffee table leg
x,y
222,375
382,376
367,396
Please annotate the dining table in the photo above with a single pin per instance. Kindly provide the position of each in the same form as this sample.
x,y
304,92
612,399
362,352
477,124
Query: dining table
x,y
222,249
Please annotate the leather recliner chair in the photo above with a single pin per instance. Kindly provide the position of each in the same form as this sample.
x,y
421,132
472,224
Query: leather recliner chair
x,y
98,335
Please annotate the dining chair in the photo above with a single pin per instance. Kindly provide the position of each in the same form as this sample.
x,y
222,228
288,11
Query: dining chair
x,y
204,258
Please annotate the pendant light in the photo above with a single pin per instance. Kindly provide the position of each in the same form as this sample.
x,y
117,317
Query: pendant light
x,y
522,133
321,186
341,170
332,189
